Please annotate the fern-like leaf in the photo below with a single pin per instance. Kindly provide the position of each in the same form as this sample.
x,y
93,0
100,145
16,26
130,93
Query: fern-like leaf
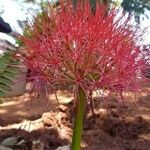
x,y
8,71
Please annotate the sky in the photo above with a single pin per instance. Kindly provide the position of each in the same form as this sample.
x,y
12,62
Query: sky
x,y
17,10
14,10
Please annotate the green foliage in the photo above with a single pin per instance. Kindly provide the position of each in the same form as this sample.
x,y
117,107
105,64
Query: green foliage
x,y
136,7
133,7
8,70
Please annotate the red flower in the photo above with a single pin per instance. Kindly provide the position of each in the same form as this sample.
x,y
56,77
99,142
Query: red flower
x,y
71,45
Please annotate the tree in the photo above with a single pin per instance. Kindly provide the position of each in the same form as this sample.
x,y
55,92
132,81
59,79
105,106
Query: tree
x,y
136,7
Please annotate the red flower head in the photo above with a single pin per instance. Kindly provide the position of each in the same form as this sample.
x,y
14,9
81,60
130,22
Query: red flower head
x,y
72,45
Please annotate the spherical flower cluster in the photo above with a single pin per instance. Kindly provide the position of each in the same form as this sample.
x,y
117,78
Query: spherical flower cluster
x,y
72,45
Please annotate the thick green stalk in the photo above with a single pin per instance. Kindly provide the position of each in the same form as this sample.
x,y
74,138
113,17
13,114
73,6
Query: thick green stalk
x,y
78,123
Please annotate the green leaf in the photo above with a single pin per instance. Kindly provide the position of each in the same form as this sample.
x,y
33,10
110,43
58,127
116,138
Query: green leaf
x,y
5,58
14,62
2,67
8,75
2,93
8,70
13,70
6,81
18,42
5,87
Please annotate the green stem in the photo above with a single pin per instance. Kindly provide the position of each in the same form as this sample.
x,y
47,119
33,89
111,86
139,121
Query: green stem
x,y
79,115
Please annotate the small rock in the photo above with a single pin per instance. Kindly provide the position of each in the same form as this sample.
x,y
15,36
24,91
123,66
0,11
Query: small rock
x,y
62,108
139,119
4,148
61,116
66,147
114,112
49,119
9,141
37,145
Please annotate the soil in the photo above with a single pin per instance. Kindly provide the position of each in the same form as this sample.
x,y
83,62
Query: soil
x,y
114,126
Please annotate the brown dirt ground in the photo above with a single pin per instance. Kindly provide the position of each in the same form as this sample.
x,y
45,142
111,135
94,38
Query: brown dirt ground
x,y
115,126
